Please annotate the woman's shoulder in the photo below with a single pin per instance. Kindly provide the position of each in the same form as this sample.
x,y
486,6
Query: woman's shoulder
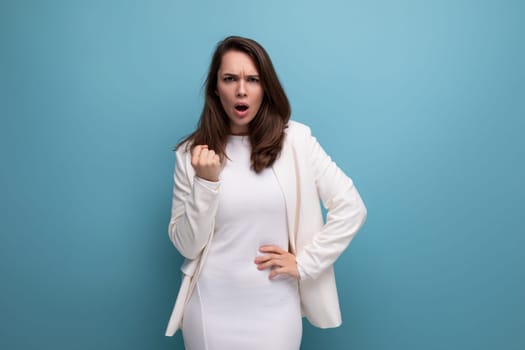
x,y
298,127
183,149
298,130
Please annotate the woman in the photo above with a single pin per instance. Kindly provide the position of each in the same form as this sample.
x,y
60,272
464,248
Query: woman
x,y
246,214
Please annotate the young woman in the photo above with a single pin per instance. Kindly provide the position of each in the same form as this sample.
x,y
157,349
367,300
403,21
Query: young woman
x,y
246,214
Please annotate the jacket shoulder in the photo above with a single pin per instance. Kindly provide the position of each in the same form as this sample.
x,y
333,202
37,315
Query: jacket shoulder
x,y
183,149
297,129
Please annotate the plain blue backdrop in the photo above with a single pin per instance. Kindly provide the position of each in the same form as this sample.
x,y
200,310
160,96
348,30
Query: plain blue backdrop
x,y
420,102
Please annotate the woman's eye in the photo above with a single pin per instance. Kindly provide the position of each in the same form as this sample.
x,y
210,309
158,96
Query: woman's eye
x,y
253,80
227,79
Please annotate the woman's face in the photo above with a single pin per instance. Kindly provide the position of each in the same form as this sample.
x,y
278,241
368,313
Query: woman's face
x,y
239,89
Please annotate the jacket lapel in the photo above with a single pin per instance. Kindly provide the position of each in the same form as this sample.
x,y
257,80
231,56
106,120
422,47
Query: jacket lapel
x,y
285,172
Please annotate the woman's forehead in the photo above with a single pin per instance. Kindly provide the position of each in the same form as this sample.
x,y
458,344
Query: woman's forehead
x,y
237,62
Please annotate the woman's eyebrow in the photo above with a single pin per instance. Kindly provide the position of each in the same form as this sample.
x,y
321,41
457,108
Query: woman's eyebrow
x,y
236,75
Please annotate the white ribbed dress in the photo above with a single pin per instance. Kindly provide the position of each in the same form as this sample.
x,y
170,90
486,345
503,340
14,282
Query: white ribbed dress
x,y
234,306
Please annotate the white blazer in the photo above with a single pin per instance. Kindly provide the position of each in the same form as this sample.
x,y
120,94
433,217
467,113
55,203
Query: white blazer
x,y
306,175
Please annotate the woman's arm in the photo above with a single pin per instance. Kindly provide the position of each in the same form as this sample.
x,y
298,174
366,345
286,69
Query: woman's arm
x,y
194,206
346,212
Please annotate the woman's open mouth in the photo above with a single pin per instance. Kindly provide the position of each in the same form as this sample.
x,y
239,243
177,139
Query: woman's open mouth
x,y
241,109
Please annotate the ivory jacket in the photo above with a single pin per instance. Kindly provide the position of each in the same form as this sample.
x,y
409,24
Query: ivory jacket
x,y
307,175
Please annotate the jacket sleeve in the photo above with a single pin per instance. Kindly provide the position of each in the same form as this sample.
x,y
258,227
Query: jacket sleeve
x,y
346,213
194,205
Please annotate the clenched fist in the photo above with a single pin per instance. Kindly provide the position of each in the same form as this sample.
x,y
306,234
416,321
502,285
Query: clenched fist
x,y
206,163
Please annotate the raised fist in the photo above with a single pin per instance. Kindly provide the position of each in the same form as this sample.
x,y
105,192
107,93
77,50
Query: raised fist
x,y
206,163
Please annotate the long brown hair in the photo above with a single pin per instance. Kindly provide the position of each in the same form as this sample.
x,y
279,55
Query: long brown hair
x,y
266,130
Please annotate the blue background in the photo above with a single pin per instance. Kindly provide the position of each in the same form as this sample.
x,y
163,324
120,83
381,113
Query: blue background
x,y
420,102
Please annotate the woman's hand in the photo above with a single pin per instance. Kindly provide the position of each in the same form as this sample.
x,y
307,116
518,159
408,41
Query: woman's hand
x,y
279,260
206,163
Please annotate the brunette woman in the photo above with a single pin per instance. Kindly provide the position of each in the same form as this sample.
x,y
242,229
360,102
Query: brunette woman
x,y
246,214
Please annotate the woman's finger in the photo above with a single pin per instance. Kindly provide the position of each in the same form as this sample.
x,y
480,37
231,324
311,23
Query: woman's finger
x,y
269,264
203,155
277,272
292,272
272,249
263,258
211,155
217,160
196,153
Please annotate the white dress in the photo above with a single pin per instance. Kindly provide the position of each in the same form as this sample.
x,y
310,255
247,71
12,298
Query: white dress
x,y
234,306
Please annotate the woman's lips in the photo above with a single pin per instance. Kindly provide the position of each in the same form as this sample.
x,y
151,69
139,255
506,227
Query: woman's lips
x,y
241,109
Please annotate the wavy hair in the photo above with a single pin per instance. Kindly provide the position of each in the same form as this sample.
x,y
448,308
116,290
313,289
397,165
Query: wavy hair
x,y
267,129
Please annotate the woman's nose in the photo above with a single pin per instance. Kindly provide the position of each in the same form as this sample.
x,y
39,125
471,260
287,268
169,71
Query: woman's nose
x,y
241,89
